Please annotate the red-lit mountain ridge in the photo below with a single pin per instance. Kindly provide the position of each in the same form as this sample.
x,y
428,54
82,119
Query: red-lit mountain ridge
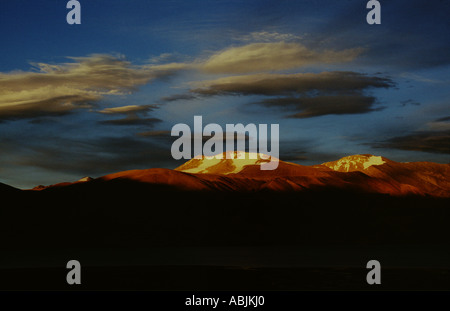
x,y
361,173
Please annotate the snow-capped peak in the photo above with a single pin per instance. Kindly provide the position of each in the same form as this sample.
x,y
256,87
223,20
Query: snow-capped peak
x,y
355,163
85,179
229,162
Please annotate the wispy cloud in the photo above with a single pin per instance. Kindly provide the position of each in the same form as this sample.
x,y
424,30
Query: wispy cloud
x,y
133,115
55,89
176,97
130,109
259,57
288,84
268,36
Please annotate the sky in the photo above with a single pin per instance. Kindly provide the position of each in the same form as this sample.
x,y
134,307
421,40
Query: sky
x,y
102,96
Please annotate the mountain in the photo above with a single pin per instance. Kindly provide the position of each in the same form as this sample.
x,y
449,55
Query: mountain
x,y
229,163
85,179
410,177
5,189
81,180
355,163
155,176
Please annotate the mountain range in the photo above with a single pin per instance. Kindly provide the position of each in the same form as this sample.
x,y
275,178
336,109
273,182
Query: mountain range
x,y
241,172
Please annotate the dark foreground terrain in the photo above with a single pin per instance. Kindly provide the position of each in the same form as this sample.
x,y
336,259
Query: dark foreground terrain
x,y
276,240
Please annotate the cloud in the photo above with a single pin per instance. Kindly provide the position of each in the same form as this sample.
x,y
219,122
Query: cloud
x,y
441,124
176,97
433,136
258,57
132,120
163,71
133,115
427,141
309,94
324,105
160,133
443,119
265,36
164,58
409,102
54,105
55,89
289,84
438,126
131,109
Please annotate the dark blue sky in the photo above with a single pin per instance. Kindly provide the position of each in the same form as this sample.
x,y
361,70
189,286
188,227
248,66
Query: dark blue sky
x,y
100,97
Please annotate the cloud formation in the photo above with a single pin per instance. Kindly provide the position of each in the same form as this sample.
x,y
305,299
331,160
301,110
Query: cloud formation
x,y
434,137
289,84
130,109
61,88
259,57
306,94
324,105
427,141
133,115
176,97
